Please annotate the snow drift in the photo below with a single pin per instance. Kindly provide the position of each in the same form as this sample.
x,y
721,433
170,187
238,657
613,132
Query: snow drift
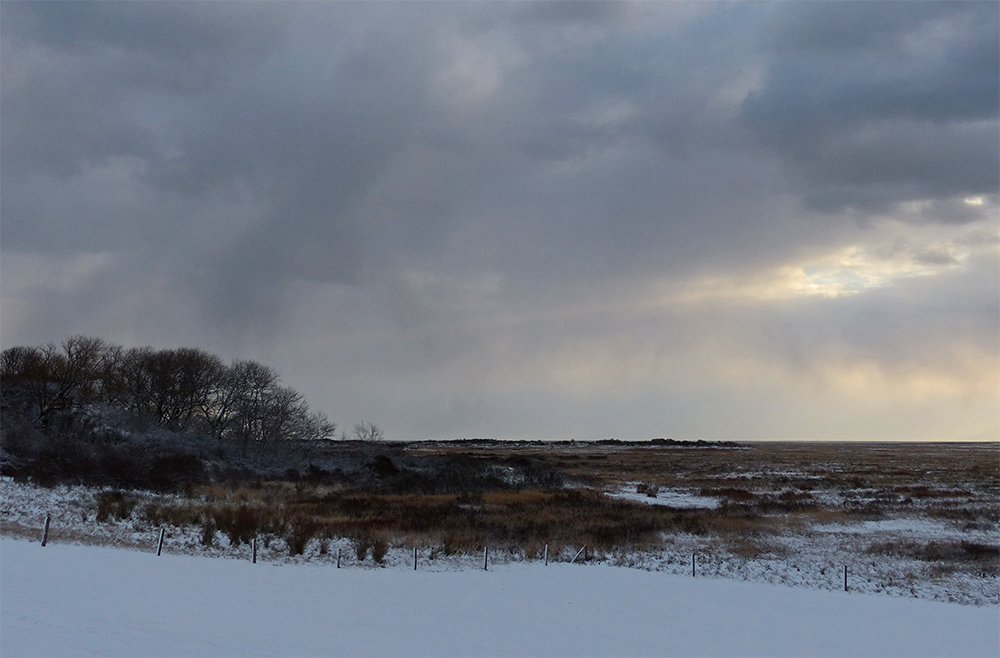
x,y
68,600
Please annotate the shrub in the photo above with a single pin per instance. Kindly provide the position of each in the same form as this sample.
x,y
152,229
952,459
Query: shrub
x,y
114,505
380,546
300,530
241,524
167,471
361,545
208,532
650,489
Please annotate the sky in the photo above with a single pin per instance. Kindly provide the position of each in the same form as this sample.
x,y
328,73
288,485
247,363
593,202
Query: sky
x,y
543,220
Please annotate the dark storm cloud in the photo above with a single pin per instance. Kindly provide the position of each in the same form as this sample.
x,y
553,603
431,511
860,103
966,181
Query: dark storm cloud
x,y
311,120
604,146
91,96
186,91
77,66
310,137
569,12
207,34
881,102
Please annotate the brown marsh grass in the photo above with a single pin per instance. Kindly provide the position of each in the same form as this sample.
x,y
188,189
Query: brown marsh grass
x,y
763,490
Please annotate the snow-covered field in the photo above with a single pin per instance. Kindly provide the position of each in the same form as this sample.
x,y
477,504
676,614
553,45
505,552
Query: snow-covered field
x,y
814,555
71,600
810,557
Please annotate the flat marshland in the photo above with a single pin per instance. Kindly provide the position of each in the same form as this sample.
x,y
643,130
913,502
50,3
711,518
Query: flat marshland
x,y
919,520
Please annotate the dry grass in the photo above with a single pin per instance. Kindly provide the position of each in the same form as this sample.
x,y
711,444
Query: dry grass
x,y
516,521
764,491
114,505
943,467
965,556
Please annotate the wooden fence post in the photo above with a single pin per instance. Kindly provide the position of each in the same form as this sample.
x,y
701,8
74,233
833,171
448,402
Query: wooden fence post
x,y
159,544
414,558
486,558
546,555
253,548
578,554
338,558
845,577
692,566
45,532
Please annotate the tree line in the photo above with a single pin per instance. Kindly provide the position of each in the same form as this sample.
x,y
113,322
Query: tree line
x,y
184,390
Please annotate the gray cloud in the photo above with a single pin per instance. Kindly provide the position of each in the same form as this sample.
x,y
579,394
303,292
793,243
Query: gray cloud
x,y
467,194
74,69
877,103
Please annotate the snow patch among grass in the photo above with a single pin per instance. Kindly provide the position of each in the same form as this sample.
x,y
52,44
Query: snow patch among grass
x,y
668,497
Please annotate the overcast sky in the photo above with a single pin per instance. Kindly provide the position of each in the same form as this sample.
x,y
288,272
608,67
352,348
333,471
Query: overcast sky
x,y
542,220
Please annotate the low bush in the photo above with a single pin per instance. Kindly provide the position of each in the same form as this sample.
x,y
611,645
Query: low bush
x,y
650,489
361,545
380,546
115,505
298,533
208,532
241,523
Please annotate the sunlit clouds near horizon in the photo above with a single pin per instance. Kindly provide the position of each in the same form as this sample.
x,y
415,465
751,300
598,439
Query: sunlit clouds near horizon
x,y
554,220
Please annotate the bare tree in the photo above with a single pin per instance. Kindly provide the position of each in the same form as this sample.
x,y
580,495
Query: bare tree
x,y
253,383
57,379
79,375
368,431
29,369
172,387
182,389
287,418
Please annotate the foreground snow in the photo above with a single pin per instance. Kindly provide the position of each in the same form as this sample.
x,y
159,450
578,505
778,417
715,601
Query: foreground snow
x,y
64,600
